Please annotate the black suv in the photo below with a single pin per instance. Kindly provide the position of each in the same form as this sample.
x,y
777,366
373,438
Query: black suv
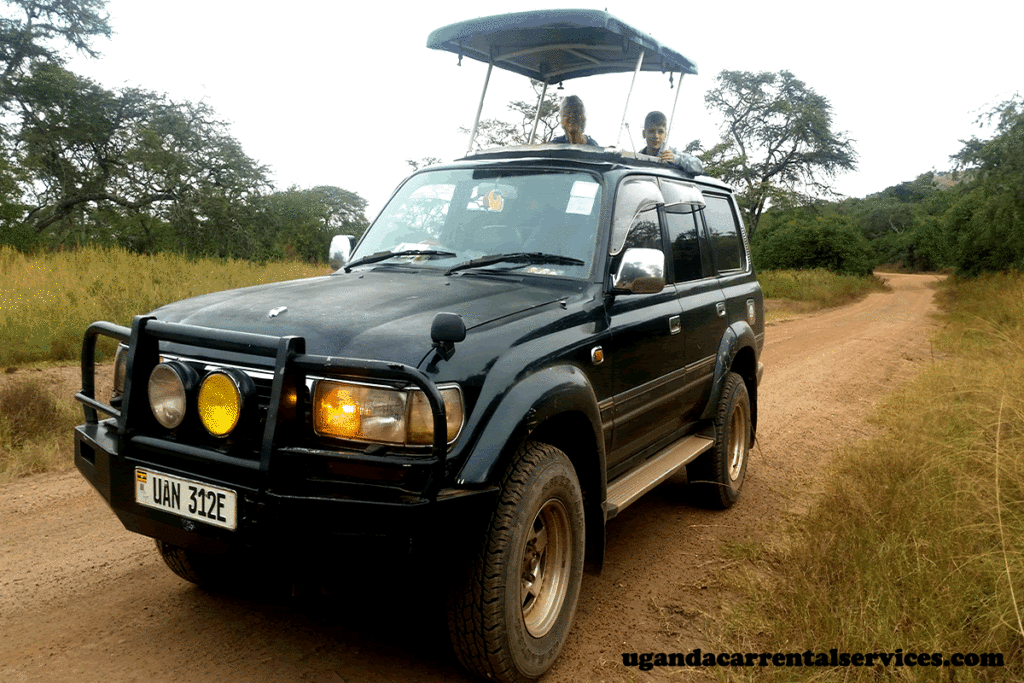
x,y
522,344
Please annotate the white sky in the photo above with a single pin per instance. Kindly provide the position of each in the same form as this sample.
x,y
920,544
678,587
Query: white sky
x,y
332,93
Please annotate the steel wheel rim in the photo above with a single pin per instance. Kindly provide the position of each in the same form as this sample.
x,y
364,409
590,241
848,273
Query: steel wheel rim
x,y
739,434
545,568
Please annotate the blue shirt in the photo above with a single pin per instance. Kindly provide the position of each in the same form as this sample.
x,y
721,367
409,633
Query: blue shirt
x,y
564,140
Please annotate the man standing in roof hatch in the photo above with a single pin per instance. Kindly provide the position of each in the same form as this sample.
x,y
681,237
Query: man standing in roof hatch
x,y
574,120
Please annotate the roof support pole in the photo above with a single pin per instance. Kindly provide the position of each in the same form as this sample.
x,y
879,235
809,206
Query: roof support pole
x,y
639,63
679,86
480,108
536,119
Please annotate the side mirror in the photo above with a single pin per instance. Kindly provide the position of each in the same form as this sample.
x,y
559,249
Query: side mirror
x,y
340,251
641,271
445,330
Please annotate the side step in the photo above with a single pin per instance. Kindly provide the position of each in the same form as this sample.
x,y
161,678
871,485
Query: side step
x,y
629,487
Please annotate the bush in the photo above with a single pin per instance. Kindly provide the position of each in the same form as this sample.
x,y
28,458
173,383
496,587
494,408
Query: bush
x,y
806,242
923,247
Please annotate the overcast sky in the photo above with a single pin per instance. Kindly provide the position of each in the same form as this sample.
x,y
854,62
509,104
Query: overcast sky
x,y
325,94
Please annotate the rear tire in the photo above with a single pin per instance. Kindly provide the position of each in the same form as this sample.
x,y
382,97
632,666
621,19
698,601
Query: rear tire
x,y
717,476
510,615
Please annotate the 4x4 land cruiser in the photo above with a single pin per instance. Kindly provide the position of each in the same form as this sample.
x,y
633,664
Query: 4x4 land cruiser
x,y
523,343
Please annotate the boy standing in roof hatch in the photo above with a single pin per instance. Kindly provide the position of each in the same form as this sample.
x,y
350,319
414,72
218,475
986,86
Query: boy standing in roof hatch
x,y
655,132
574,120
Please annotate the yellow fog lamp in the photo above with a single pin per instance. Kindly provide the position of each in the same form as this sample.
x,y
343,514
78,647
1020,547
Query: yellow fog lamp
x,y
169,387
221,400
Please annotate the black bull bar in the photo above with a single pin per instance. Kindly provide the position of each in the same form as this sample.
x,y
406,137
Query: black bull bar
x,y
291,367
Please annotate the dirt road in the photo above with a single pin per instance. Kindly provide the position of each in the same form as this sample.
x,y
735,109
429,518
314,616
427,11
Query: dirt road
x,y
81,599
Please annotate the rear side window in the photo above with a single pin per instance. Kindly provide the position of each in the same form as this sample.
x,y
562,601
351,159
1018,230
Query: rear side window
x,y
724,231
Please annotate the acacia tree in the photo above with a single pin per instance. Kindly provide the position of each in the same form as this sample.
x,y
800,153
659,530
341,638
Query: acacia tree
x,y
31,30
87,152
777,143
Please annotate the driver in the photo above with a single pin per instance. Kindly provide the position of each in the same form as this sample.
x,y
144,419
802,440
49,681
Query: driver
x,y
574,120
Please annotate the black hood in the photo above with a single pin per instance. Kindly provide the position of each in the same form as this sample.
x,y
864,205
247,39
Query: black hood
x,y
383,315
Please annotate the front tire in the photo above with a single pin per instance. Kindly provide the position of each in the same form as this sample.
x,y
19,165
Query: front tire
x,y
717,476
510,615
208,571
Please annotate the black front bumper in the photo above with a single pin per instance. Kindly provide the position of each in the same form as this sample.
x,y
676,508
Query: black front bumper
x,y
275,521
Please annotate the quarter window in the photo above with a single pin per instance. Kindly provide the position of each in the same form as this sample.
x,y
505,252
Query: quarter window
x,y
723,228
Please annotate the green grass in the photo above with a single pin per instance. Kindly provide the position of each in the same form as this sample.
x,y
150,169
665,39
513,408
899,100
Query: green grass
x,y
821,287
47,300
918,541
789,293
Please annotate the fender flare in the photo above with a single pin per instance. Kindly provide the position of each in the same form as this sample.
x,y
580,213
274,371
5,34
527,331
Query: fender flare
x,y
551,391
737,336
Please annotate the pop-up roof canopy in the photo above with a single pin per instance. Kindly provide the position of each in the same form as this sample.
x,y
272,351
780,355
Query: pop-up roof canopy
x,y
556,45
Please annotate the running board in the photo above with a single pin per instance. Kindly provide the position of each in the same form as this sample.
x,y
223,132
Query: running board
x,y
629,487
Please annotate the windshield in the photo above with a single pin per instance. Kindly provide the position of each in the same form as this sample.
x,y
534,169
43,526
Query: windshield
x,y
451,217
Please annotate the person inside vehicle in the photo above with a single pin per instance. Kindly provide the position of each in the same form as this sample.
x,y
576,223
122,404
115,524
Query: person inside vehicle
x,y
655,133
574,120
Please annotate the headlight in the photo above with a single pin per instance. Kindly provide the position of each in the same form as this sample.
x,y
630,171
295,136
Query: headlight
x,y
368,413
120,369
169,384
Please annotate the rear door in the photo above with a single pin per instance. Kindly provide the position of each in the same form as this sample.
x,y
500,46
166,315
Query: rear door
x,y
702,303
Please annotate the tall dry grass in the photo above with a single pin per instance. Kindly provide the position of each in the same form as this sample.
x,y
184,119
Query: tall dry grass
x,y
47,300
37,416
918,542
819,286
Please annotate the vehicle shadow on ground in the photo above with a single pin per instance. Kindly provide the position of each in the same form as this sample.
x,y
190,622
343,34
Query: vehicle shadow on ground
x,y
368,624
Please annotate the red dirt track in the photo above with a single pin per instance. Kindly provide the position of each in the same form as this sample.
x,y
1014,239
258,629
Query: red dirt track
x,y
82,599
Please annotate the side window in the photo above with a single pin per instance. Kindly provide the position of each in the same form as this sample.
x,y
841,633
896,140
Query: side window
x,y
682,232
634,194
683,226
723,229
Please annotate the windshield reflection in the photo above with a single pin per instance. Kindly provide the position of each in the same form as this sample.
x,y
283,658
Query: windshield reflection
x,y
472,214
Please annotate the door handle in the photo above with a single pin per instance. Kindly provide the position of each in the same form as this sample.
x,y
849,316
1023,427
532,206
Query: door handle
x,y
674,326
720,307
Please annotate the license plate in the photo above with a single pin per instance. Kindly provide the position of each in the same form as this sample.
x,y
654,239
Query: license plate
x,y
186,498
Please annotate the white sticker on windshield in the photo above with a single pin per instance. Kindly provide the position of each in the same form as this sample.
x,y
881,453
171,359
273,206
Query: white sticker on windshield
x,y
581,198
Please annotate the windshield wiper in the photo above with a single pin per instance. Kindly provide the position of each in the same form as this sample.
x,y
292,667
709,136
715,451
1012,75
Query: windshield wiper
x,y
384,255
517,257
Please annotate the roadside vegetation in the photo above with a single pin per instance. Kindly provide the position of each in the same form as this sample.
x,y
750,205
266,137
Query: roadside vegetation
x,y
790,293
47,300
916,542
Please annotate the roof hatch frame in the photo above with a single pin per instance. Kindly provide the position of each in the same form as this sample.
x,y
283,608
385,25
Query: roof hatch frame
x,y
553,46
